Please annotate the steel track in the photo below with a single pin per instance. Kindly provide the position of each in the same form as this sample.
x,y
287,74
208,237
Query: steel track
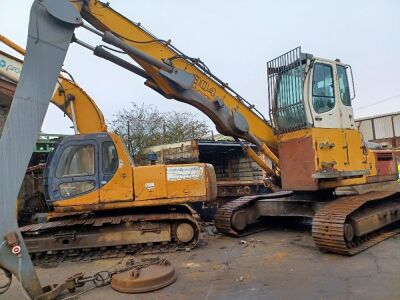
x,y
329,221
223,216
47,232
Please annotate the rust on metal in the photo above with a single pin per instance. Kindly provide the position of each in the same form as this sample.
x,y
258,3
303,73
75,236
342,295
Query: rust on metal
x,y
239,188
11,239
385,163
115,236
7,91
345,225
225,215
296,169
145,279
136,273
51,292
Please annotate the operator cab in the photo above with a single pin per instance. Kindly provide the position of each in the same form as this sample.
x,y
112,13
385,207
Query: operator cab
x,y
311,112
305,92
80,165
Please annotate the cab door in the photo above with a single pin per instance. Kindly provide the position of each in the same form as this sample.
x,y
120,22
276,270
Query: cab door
x,y
344,98
116,178
73,172
324,105
330,96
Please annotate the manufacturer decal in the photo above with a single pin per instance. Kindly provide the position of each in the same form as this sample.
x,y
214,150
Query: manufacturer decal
x,y
184,173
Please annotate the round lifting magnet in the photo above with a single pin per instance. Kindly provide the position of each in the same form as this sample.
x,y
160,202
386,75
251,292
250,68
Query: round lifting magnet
x,y
148,279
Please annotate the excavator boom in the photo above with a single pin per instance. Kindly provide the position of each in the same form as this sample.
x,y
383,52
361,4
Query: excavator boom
x,y
176,75
231,113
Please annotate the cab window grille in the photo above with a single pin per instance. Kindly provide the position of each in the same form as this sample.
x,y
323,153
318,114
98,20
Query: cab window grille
x,y
285,90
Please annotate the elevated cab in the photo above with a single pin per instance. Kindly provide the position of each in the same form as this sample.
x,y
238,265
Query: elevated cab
x,y
310,107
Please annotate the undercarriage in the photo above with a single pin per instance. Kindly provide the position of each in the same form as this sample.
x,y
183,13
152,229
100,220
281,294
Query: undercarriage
x,y
86,237
348,222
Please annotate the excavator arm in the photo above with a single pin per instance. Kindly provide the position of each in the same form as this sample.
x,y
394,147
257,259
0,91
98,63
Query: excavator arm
x,y
68,95
178,76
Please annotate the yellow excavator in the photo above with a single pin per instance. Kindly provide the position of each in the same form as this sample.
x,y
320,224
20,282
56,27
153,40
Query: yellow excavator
x,y
92,172
317,156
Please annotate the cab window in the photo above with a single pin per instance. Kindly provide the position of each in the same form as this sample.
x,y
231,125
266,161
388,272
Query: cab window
x,y
323,97
343,85
110,158
76,161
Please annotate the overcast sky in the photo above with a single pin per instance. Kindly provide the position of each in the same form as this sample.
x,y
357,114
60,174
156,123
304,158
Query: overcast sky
x,y
236,38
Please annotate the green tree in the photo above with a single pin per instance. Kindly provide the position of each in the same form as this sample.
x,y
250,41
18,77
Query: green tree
x,y
149,127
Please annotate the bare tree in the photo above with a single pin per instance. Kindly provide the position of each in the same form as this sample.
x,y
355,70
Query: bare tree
x,y
148,126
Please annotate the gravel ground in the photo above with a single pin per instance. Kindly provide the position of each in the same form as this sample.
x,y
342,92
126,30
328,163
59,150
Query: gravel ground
x,y
273,264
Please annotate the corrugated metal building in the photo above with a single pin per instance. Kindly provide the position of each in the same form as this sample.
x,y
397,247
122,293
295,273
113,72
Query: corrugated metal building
x,y
381,129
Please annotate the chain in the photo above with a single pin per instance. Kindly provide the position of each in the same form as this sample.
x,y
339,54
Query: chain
x,y
146,262
103,278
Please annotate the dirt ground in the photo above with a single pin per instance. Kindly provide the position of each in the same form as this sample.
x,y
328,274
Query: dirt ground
x,y
274,264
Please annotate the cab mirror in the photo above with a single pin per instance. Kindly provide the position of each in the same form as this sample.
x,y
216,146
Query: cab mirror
x,y
352,91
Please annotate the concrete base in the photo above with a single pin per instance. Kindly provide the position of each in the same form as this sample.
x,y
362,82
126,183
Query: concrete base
x,y
280,263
